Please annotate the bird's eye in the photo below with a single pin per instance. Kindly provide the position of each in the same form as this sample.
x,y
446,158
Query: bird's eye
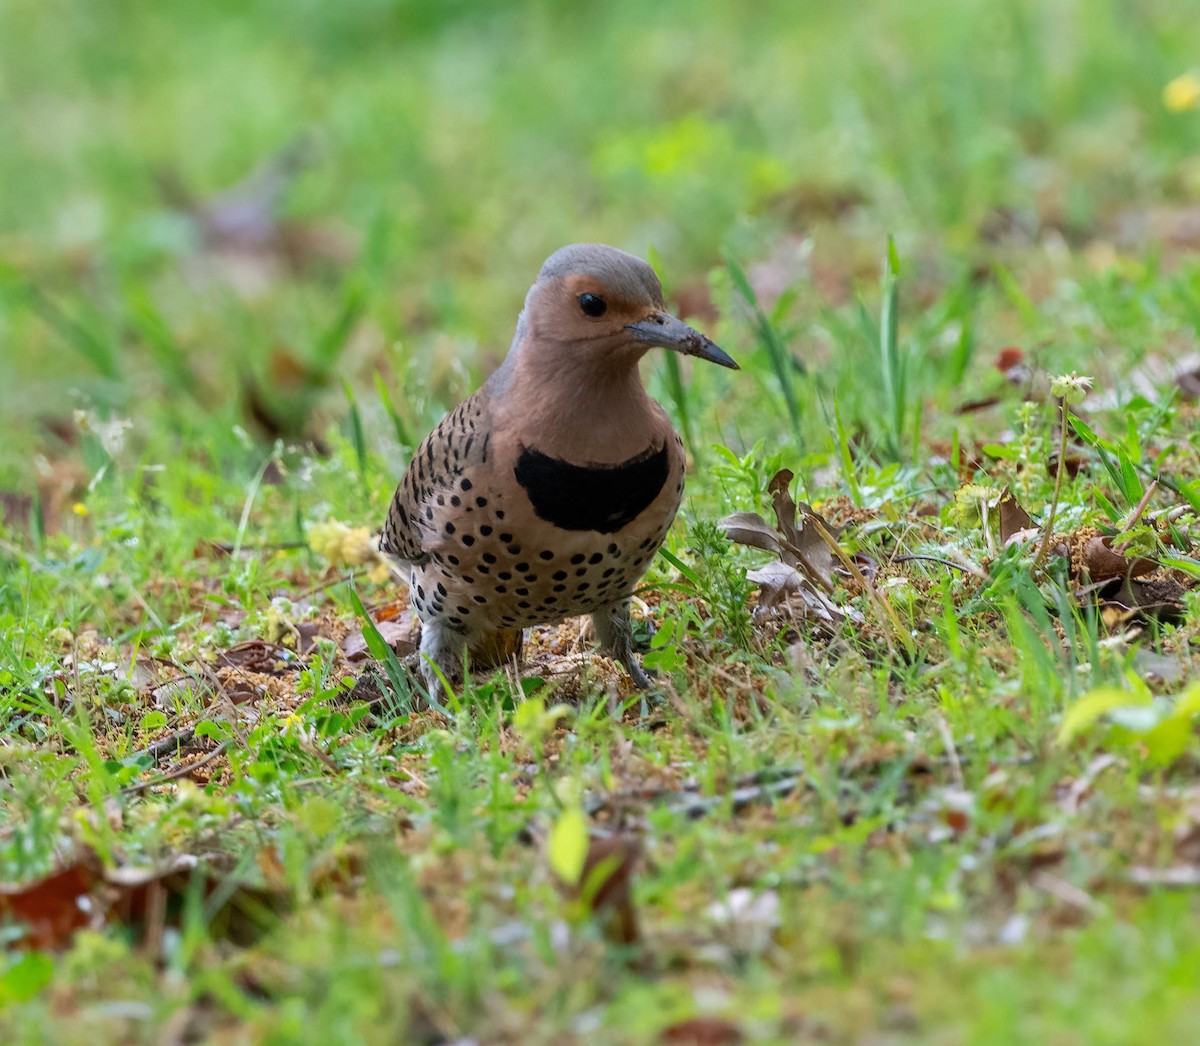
x,y
592,304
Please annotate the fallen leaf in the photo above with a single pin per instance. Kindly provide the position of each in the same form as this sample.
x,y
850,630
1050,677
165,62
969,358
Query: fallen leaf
x,y
1101,563
1008,357
702,1031
390,611
776,582
607,885
307,633
258,656
804,576
802,536
750,529
1074,463
52,909
1148,598
957,820
785,589
1013,518
400,633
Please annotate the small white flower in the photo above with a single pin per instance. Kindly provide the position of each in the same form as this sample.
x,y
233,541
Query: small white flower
x,y
1071,387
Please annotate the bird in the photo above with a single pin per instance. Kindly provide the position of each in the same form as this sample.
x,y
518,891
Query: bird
x,y
545,494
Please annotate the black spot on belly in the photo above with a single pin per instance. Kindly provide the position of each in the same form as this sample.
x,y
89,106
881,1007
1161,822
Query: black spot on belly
x,y
591,497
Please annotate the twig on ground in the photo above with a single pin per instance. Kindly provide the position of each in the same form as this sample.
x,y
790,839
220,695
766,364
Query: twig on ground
x,y
179,771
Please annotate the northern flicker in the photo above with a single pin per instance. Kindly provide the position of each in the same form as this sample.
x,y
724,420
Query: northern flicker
x,y
545,494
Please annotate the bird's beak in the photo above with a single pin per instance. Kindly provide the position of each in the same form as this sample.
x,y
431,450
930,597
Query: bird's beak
x,y
668,332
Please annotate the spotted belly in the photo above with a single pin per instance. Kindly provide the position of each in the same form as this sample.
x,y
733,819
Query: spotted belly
x,y
505,565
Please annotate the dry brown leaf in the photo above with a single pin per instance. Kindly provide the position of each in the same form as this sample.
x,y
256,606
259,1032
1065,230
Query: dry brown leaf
x,y
1123,599
804,576
1101,563
607,883
85,895
802,538
400,633
52,909
605,886
750,529
702,1031
1013,518
776,581
390,611
257,655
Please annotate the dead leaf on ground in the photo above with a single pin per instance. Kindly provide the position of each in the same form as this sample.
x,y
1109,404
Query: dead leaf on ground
x,y
606,886
148,899
257,655
799,526
1013,518
1101,563
803,579
54,908
1074,463
400,633
702,1031
779,583
390,611
750,529
1124,599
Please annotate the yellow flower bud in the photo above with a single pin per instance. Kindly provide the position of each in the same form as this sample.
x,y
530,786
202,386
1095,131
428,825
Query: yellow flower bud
x,y
1182,93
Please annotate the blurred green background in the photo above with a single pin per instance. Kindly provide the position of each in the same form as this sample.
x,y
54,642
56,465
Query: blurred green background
x,y
437,152
229,229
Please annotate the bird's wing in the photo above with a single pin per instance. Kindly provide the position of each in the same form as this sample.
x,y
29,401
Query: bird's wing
x,y
455,450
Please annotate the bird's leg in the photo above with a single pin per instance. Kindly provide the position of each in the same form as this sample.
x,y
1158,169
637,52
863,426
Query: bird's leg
x,y
614,632
442,646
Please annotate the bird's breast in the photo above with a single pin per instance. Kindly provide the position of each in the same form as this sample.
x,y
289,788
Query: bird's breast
x,y
602,498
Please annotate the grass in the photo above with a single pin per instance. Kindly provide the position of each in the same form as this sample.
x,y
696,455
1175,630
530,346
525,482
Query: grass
x,y
989,838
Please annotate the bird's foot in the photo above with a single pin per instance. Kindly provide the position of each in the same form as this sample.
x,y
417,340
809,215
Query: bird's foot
x,y
643,678
614,631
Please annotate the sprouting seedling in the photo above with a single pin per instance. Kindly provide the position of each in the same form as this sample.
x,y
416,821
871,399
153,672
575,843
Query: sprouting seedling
x,y
1070,390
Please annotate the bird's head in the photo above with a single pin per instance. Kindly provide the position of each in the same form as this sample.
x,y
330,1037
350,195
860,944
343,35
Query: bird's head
x,y
598,300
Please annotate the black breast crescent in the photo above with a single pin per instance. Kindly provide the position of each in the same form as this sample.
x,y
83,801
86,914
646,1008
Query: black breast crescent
x,y
592,497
